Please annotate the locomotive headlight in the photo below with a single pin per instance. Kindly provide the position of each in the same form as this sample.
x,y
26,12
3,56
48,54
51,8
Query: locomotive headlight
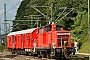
x,y
53,45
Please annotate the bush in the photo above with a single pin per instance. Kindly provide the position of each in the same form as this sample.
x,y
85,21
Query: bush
x,y
2,48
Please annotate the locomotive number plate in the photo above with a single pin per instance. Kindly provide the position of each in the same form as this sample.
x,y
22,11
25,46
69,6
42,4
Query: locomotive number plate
x,y
63,33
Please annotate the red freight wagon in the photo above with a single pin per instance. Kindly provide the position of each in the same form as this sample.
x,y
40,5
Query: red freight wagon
x,y
20,40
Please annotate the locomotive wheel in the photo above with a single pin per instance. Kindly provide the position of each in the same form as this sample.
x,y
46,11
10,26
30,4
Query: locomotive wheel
x,y
62,57
48,55
39,56
13,52
30,54
18,52
44,55
74,51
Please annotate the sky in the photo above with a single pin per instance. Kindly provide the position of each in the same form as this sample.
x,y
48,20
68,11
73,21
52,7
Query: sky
x,y
11,10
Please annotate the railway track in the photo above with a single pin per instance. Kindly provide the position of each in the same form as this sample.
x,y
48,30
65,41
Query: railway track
x,y
9,56
21,57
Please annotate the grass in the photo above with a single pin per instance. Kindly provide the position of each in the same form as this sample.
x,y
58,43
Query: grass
x,y
84,47
2,48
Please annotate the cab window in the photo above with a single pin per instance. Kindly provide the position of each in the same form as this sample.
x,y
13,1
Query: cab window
x,y
48,28
58,28
40,31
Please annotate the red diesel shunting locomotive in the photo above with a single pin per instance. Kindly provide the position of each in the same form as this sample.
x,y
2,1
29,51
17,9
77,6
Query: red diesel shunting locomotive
x,y
47,41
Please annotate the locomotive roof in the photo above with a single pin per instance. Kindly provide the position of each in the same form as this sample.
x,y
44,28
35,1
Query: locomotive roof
x,y
22,31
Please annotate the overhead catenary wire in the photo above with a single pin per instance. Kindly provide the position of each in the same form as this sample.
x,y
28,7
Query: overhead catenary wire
x,y
61,13
67,13
11,7
4,2
51,14
34,7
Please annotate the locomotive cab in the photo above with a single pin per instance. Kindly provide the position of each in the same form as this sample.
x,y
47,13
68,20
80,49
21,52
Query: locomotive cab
x,y
61,41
